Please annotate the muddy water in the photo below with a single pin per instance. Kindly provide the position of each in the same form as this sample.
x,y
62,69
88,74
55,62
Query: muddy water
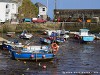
x,y
73,58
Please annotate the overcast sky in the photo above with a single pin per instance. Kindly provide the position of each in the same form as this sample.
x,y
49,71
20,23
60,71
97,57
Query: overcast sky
x,y
69,4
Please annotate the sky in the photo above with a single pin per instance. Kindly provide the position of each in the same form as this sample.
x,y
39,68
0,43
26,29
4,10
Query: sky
x,y
68,4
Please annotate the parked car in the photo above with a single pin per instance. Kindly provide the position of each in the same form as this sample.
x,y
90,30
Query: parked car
x,y
27,20
38,20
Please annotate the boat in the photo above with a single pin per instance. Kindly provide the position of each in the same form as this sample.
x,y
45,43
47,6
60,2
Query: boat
x,y
54,37
97,36
45,40
25,35
35,52
8,45
10,34
59,32
84,36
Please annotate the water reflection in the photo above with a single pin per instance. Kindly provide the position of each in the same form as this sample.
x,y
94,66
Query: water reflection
x,y
85,54
88,49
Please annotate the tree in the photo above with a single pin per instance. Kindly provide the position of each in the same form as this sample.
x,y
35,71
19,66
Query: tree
x,y
27,10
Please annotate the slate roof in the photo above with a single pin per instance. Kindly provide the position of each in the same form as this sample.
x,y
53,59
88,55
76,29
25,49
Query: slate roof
x,y
39,5
9,1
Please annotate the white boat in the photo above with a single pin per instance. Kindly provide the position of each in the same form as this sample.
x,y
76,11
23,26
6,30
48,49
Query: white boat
x,y
10,34
34,48
25,35
97,36
59,32
66,36
84,36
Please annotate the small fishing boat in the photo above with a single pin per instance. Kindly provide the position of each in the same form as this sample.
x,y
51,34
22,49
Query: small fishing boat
x,y
25,35
84,36
45,40
10,34
11,44
54,37
35,52
97,36
59,32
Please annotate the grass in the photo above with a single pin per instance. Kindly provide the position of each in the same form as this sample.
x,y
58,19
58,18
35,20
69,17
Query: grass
x,y
35,28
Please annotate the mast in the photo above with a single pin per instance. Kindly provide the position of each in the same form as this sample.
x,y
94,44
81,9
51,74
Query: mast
x,y
55,10
83,20
55,4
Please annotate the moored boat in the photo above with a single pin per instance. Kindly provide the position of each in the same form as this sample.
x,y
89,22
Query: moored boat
x,y
45,40
35,52
8,45
25,35
10,34
54,37
84,36
97,36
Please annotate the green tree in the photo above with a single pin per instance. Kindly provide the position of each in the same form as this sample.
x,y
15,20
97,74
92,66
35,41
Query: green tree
x,y
27,10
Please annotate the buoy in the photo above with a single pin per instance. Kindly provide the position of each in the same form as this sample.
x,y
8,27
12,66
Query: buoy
x,y
43,56
27,68
39,64
32,56
24,62
44,67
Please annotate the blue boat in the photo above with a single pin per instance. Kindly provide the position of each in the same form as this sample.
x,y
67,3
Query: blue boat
x,y
84,36
11,44
88,38
52,38
32,56
33,53
6,47
45,40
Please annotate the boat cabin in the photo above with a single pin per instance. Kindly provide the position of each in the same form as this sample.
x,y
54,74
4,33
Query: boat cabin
x,y
83,32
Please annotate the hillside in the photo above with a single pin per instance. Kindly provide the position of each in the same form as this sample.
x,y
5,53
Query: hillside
x,y
27,10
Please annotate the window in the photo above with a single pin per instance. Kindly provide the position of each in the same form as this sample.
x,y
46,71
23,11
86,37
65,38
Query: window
x,y
12,6
7,6
43,9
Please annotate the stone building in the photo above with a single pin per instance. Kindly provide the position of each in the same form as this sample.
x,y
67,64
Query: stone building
x,y
76,14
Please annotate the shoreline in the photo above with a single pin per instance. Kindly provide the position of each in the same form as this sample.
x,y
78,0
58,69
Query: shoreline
x,y
40,27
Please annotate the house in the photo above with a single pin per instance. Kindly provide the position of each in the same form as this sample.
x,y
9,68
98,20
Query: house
x,y
8,10
42,10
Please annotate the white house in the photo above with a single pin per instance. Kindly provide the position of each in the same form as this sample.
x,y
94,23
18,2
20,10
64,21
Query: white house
x,y
42,10
8,10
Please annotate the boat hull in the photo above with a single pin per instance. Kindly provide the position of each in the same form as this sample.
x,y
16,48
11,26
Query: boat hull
x,y
45,41
87,38
31,56
6,47
50,40
84,38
